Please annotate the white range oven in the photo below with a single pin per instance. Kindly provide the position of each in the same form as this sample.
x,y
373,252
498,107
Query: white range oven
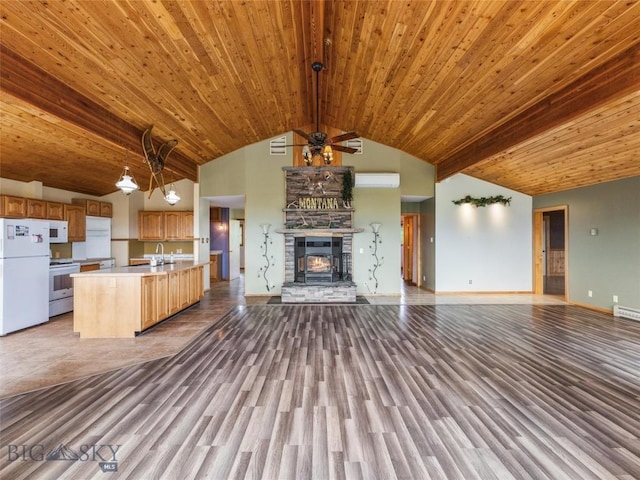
x,y
61,286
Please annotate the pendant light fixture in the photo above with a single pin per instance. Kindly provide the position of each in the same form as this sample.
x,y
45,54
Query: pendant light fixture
x,y
127,183
172,197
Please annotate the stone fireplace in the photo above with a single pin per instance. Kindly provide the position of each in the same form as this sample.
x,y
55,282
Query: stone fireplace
x,y
318,237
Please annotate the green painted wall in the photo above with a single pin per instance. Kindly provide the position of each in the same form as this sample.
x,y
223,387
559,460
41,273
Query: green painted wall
x,y
252,172
607,263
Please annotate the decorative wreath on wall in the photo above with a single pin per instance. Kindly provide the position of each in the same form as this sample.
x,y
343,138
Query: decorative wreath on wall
x,y
483,201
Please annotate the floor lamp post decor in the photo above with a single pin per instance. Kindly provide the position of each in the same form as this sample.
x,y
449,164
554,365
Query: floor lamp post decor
x,y
265,253
375,227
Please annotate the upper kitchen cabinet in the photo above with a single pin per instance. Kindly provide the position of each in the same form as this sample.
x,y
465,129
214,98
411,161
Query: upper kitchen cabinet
x,y
188,225
94,208
150,226
106,209
215,214
36,208
178,225
55,211
165,225
77,227
13,207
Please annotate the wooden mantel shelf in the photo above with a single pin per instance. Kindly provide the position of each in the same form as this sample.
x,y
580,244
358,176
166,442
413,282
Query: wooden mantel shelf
x,y
319,232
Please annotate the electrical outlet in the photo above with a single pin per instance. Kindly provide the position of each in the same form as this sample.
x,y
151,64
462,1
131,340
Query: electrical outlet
x,y
362,250
424,278
590,293
179,250
615,299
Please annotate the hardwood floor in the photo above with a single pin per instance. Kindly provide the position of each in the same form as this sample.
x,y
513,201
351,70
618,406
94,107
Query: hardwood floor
x,y
367,391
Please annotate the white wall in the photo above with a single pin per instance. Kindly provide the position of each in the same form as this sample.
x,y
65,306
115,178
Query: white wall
x,y
491,247
184,188
21,189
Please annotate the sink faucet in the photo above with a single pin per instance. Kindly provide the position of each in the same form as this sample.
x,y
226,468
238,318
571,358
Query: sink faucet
x,y
161,247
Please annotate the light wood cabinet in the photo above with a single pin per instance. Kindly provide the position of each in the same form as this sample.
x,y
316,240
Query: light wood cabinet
x,y
36,208
162,303
106,209
150,225
77,222
173,294
173,225
165,225
13,207
88,267
178,225
215,271
100,298
91,207
94,208
195,284
187,225
149,290
55,211
185,296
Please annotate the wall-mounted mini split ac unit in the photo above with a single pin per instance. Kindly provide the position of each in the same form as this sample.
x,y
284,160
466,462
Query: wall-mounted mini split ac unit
x,y
377,180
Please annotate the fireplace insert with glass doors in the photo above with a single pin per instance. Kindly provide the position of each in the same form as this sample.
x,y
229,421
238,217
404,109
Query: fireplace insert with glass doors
x,y
318,259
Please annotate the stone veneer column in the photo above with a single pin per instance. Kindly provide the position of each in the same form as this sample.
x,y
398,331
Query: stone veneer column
x,y
289,257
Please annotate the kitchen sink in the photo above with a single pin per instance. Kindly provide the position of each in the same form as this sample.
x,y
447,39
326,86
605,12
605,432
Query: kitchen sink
x,y
149,264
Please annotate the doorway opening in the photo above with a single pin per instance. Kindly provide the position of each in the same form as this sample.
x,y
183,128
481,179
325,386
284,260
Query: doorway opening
x,y
550,251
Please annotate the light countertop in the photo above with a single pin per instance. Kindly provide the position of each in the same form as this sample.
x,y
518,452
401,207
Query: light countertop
x,y
139,270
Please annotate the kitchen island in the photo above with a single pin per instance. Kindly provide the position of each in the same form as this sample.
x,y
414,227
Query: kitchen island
x,y
120,302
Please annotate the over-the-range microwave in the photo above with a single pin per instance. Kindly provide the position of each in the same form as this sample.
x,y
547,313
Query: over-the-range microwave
x,y
58,231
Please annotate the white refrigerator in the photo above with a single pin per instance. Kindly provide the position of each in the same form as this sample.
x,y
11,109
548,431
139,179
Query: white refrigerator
x,y
24,273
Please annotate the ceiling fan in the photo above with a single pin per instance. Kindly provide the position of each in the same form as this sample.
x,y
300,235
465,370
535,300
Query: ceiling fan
x,y
317,142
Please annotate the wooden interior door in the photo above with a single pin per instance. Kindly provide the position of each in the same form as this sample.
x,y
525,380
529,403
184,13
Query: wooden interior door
x,y
408,254
538,252
541,250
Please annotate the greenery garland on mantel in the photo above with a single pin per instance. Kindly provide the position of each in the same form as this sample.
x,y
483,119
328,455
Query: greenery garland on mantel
x,y
483,201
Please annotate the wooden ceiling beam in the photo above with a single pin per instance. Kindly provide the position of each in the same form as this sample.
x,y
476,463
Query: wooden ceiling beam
x,y
317,46
613,79
26,81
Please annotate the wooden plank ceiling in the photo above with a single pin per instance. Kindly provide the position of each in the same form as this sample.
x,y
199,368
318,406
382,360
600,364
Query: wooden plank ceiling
x,y
535,96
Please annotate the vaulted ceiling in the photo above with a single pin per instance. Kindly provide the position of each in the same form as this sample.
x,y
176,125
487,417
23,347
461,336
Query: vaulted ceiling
x,y
535,96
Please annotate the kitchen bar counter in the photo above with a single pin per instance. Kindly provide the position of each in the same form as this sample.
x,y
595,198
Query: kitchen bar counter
x,y
141,270
120,302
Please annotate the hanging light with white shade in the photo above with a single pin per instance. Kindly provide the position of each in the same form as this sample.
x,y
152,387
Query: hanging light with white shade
x,y
127,183
172,197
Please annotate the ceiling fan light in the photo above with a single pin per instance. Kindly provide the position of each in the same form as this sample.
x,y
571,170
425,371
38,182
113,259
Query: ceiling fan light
x,y
127,183
172,197
307,155
327,154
